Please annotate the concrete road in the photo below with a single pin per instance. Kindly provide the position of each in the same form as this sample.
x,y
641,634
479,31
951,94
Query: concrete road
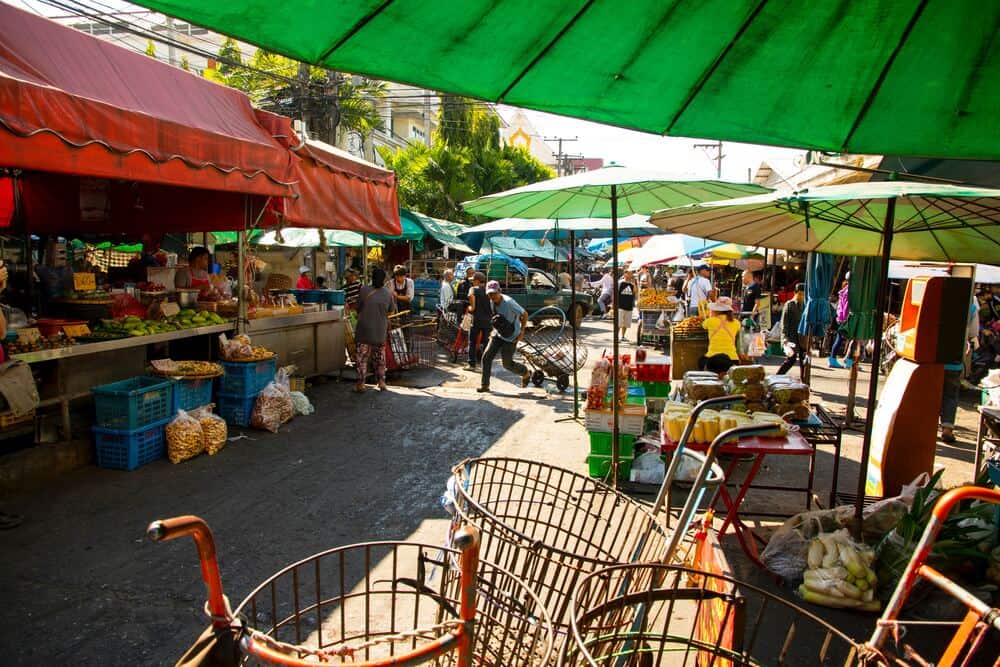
x,y
81,584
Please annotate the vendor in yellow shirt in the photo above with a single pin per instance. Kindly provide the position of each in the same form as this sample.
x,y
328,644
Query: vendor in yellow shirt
x,y
723,336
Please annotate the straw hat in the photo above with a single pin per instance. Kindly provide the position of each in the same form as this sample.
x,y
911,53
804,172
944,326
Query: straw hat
x,y
722,305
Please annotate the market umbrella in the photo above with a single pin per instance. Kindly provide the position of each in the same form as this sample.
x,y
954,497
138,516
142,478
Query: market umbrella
x,y
816,316
603,193
906,220
670,248
862,304
729,251
559,230
900,77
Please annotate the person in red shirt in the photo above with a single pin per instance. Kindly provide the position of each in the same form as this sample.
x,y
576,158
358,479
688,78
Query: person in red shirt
x,y
304,281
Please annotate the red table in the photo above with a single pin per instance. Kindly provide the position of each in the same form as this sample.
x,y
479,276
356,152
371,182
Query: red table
x,y
794,444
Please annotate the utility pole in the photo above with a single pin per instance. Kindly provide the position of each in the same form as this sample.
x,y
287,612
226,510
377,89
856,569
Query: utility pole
x,y
171,52
560,156
717,147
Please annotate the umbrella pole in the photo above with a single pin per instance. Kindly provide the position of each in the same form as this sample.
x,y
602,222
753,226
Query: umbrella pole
x,y
614,337
364,258
883,291
573,306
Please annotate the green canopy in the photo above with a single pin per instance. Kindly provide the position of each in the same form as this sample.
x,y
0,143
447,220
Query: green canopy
x,y
932,222
908,77
412,230
444,232
224,238
525,248
302,237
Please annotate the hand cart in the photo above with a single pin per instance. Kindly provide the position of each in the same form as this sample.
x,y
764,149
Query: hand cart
x,y
450,334
410,342
548,348
979,628
650,614
371,604
648,333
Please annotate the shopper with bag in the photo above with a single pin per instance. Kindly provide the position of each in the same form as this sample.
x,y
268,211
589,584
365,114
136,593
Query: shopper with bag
x,y
375,302
508,321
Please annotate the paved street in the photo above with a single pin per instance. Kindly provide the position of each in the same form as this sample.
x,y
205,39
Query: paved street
x,y
82,585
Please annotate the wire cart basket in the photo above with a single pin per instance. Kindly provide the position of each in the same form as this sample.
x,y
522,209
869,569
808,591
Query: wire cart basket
x,y
375,603
652,614
548,348
411,342
976,634
450,335
552,526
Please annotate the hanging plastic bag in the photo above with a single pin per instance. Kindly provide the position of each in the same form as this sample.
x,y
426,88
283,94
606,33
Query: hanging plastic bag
x,y
274,405
648,468
185,439
757,345
663,321
467,322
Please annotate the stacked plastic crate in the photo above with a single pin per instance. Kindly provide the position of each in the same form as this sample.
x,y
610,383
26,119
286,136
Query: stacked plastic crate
x,y
630,425
239,386
131,415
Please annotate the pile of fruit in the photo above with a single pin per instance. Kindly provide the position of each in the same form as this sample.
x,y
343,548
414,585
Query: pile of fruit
x,y
90,297
135,326
654,299
840,573
689,327
53,343
150,287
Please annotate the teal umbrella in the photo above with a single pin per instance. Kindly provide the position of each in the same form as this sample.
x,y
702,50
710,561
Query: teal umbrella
x,y
609,192
901,219
819,281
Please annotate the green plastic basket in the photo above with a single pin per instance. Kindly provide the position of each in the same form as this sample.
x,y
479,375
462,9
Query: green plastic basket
x,y
600,444
600,465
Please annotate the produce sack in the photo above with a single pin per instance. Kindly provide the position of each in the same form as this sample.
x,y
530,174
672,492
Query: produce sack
x,y
794,392
839,573
786,552
647,468
753,391
274,405
302,404
185,438
797,411
700,390
214,429
747,373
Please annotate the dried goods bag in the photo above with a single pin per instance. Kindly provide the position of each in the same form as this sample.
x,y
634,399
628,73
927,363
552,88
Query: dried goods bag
x,y
185,438
273,408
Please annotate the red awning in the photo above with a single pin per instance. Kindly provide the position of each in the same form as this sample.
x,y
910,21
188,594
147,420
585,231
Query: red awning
x,y
332,189
73,104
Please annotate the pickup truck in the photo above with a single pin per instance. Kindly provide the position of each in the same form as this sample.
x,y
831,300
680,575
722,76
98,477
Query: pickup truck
x,y
539,289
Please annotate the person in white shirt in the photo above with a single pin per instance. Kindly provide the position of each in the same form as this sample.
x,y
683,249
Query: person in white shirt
x,y
447,294
698,289
607,285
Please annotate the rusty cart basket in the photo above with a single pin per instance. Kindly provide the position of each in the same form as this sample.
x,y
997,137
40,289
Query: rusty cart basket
x,y
450,335
653,614
411,342
548,348
551,526
376,603
976,635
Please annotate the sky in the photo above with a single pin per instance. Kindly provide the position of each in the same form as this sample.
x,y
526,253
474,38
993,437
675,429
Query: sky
x,y
674,155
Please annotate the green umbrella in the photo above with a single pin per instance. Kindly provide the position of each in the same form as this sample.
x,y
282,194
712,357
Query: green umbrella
x,y
908,77
603,193
906,220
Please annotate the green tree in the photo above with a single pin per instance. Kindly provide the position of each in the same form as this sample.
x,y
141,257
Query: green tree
x,y
466,160
150,48
328,101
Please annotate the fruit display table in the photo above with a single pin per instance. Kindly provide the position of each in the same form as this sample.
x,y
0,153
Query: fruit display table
x,y
67,374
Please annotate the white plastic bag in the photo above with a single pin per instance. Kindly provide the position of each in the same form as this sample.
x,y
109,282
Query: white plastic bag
x,y
302,404
274,405
757,345
648,468
467,322
663,322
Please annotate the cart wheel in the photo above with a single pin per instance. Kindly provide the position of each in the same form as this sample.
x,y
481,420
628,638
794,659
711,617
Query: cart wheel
x,y
537,378
562,382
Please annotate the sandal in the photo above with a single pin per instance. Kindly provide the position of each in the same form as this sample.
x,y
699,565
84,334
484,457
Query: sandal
x,y
360,389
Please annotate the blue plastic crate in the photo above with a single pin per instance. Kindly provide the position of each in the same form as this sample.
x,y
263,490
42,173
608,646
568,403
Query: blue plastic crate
x,y
191,394
235,409
130,449
335,297
131,404
246,378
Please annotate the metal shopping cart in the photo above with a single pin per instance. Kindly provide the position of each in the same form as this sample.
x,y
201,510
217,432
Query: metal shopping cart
x,y
553,526
651,614
371,604
548,349
450,335
411,341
